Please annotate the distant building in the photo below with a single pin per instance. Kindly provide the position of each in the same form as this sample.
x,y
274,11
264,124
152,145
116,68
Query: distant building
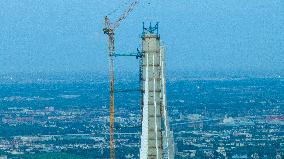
x,y
3,157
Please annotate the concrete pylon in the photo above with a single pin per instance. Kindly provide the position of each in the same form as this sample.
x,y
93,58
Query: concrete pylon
x,y
156,143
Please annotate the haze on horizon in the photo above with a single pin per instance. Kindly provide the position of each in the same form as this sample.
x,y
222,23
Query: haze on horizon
x,y
66,35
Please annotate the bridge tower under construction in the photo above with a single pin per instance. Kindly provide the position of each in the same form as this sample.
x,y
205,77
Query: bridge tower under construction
x,y
156,139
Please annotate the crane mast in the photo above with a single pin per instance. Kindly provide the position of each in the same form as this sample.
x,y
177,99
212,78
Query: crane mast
x,y
109,31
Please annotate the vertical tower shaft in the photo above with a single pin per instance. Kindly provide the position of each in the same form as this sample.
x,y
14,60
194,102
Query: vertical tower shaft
x,y
156,138
151,139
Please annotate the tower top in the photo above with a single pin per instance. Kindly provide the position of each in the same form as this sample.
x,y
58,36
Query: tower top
x,y
151,29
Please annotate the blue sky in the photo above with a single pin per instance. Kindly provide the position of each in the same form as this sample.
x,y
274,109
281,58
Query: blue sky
x,y
200,35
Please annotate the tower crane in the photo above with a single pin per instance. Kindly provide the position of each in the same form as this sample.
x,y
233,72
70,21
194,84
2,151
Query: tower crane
x,y
109,30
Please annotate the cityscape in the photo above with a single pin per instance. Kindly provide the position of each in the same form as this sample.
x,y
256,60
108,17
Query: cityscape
x,y
135,79
211,117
